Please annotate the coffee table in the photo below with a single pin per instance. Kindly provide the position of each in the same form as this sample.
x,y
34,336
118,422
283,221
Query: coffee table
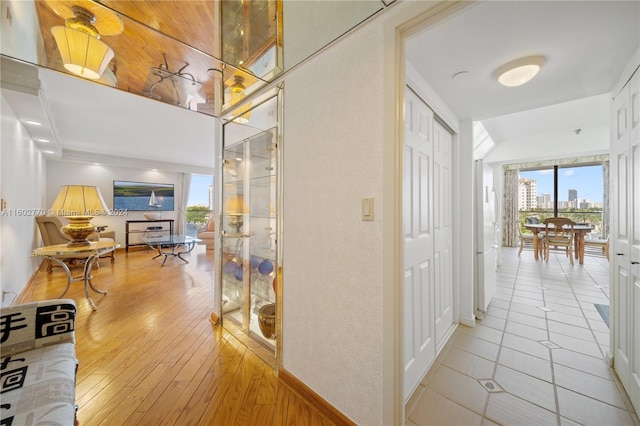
x,y
173,243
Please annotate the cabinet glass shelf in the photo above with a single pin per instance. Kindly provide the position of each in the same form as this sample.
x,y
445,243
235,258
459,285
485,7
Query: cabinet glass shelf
x,y
249,225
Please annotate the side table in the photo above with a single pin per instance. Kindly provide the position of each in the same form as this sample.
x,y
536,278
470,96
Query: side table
x,y
89,252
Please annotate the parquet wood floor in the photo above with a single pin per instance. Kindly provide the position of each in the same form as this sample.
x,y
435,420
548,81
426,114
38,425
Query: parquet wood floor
x,y
150,356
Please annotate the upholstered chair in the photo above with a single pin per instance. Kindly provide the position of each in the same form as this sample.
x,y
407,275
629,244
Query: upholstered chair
x,y
49,227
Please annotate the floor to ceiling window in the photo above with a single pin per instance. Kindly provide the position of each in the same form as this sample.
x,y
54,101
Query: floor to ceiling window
x,y
200,203
576,192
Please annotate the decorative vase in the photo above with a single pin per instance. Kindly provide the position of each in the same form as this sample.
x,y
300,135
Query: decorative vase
x,y
267,320
229,267
265,267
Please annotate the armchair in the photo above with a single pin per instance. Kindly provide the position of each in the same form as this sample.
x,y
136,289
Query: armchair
x,y
49,227
207,232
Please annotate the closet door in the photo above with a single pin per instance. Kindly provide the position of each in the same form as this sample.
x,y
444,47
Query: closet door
x,y
442,262
626,242
418,317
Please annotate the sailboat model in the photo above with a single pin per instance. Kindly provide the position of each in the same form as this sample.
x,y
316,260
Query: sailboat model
x,y
153,201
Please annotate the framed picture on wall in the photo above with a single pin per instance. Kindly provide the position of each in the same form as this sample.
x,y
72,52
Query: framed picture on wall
x,y
142,196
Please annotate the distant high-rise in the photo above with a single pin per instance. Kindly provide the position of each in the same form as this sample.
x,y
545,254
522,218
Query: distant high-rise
x,y
527,191
544,201
573,195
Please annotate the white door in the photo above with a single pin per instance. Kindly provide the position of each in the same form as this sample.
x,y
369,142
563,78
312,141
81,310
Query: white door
x,y
418,318
442,251
626,238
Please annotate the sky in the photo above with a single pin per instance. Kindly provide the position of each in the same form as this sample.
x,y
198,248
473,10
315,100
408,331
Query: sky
x,y
199,191
587,180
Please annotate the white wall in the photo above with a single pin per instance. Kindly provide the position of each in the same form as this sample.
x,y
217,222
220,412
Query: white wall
x,y
332,260
22,186
339,147
69,173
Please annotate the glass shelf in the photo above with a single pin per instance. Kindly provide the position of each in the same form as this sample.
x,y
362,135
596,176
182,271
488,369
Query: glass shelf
x,y
249,247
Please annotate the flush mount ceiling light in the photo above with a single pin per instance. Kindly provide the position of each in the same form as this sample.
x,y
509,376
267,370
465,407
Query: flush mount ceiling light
x,y
520,71
82,51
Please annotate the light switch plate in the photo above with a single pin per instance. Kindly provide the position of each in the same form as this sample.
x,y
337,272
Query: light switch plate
x,y
367,209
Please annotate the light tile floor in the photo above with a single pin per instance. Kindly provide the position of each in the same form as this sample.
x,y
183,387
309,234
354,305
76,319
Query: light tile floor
x,y
537,358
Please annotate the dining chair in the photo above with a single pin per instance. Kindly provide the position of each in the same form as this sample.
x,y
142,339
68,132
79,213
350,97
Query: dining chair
x,y
526,239
559,235
601,243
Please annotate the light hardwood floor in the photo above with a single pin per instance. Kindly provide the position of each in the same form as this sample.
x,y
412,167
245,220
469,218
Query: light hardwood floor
x,y
150,356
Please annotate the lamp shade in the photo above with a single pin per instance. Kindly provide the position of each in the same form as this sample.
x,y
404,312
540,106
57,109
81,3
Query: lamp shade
x,y
79,200
235,205
82,54
79,203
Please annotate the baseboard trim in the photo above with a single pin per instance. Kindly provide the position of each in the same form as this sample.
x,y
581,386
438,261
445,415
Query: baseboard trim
x,y
310,395
468,321
21,296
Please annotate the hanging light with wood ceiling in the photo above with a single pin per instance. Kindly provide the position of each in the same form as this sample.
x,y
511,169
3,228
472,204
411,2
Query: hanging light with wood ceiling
x,y
82,51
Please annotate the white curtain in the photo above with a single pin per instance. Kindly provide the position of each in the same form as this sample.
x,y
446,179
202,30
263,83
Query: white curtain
x,y
510,218
605,199
184,182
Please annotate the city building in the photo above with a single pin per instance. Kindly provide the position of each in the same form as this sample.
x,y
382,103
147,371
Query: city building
x,y
527,192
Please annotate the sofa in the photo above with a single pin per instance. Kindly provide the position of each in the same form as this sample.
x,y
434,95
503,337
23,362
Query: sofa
x,y
38,375
207,233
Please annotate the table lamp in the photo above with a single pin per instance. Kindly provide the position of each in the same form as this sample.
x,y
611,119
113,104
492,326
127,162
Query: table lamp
x,y
79,204
234,207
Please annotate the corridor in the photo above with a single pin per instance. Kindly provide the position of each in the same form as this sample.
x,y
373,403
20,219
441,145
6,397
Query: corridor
x,y
537,358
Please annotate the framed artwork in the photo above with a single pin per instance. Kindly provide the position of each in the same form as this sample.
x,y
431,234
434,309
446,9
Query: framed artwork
x,y
142,196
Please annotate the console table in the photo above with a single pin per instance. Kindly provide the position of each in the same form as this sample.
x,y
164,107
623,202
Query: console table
x,y
133,227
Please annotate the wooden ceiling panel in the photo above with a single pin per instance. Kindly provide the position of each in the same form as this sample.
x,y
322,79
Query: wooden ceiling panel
x,y
155,30
193,21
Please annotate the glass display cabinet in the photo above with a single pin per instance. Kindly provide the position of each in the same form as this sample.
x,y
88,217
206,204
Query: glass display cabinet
x,y
249,255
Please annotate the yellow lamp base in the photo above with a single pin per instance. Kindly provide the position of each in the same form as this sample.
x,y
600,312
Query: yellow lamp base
x,y
78,229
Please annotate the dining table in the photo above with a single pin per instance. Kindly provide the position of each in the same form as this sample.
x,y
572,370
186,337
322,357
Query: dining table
x,y
579,231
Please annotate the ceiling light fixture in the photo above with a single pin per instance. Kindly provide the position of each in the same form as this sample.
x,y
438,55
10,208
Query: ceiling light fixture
x,y
520,71
43,140
82,51
33,123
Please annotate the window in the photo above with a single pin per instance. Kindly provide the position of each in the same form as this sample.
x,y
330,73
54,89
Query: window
x,y
574,191
200,203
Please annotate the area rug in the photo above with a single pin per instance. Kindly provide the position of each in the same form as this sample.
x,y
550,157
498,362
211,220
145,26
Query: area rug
x,y
604,312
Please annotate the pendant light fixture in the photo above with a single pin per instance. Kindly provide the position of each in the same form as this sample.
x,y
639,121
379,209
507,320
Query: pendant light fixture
x,y
81,50
520,71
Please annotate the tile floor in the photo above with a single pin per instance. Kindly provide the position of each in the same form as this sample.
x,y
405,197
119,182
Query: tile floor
x,y
537,358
